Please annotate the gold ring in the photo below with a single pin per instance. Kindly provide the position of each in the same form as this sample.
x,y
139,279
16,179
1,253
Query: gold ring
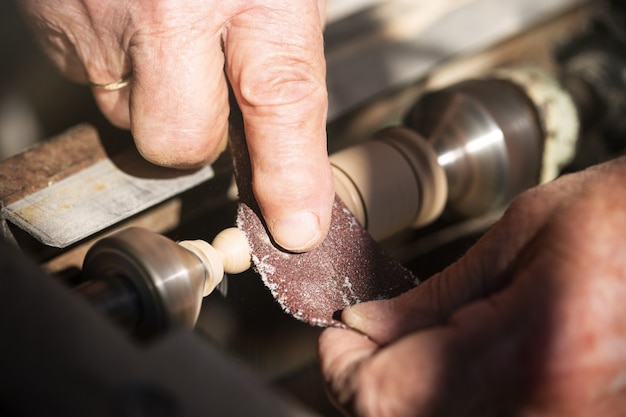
x,y
115,85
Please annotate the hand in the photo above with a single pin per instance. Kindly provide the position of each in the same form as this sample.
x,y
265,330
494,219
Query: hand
x,y
530,322
180,55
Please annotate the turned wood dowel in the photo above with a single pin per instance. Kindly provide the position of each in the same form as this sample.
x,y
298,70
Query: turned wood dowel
x,y
228,253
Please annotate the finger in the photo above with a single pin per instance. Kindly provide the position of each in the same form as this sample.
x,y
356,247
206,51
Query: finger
x,y
484,269
443,371
483,353
275,62
179,97
404,379
114,105
107,67
340,351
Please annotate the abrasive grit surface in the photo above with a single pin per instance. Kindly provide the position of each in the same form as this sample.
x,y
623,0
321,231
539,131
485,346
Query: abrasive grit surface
x,y
349,267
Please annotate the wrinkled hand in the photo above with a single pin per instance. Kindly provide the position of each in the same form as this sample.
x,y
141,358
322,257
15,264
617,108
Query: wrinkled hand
x,y
180,55
530,322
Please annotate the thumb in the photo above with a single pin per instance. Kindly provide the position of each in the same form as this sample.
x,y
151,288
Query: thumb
x,y
481,359
485,357
274,59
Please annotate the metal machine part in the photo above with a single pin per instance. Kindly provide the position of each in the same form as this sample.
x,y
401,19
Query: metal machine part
x,y
144,281
495,137
487,138
487,142
149,284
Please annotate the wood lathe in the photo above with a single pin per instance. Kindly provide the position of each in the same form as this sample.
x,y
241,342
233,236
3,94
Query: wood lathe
x,y
440,114
470,147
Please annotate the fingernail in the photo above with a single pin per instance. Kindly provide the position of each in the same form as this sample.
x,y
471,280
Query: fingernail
x,y
298,232
362,316
372,311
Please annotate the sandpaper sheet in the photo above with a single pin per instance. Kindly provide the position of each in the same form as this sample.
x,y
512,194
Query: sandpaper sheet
x,y
349,267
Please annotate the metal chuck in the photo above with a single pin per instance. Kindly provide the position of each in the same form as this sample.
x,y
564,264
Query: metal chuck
x,y
149,284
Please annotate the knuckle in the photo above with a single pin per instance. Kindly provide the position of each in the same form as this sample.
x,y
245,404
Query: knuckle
x,y
274,87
